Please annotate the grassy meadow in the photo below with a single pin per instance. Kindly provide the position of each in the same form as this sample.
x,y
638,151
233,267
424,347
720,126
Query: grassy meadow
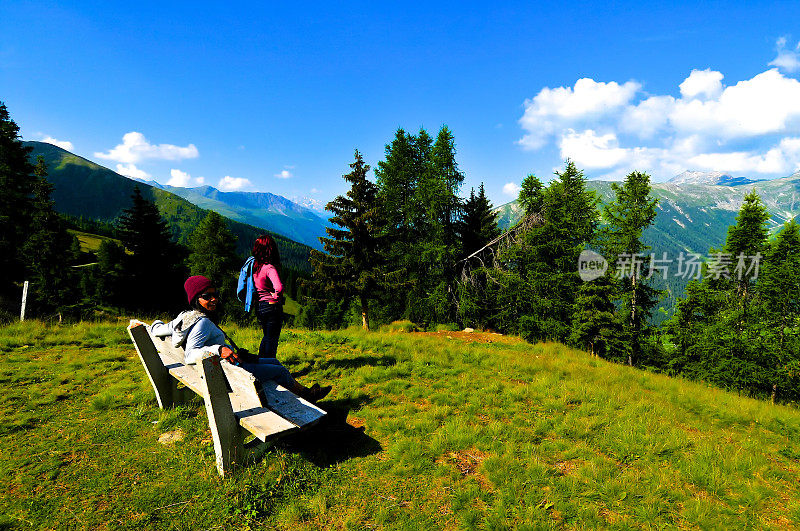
x,y
440,430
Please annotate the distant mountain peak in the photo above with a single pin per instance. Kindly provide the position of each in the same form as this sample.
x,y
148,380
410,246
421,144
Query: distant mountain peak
x,y
709,177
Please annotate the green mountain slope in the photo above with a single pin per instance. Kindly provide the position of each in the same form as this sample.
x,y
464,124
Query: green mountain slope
x,y
82,188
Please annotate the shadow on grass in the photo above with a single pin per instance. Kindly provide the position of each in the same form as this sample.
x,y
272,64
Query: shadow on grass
x,y
333,440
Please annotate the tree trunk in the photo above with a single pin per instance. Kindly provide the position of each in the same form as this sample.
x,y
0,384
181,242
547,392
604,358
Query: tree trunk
x,y
774,392
364,313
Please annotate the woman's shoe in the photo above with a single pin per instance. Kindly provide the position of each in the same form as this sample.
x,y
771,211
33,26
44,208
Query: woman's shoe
x,y
317,393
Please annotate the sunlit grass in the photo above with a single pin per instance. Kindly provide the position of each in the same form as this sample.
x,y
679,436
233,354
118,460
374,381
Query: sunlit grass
x,y
459,431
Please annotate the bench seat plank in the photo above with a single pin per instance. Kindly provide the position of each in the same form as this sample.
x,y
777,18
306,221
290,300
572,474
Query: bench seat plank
x,y
300,412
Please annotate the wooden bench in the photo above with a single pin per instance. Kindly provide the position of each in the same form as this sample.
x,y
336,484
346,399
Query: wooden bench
x,y
236,402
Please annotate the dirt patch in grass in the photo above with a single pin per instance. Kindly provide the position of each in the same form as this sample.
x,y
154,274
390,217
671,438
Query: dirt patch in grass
x,y
467,463
474,337
566,468
357,422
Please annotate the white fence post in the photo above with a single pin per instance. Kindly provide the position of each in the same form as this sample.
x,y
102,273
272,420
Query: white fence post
x,y
24,300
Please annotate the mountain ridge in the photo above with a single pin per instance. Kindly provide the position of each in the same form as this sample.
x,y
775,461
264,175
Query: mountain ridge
x,y
82,188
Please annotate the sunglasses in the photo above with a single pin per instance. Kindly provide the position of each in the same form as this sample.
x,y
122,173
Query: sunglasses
x,y
209,296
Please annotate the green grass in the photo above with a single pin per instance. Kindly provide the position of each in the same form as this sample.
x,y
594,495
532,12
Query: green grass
x,y
444,430
90,243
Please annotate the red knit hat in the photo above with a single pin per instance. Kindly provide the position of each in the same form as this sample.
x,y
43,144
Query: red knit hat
x,y
196,285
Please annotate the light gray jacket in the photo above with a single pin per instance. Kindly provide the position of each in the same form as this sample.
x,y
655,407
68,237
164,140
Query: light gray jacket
x,y
195,332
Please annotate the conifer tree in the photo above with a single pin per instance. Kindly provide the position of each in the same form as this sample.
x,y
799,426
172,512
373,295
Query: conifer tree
x,y
540,281
595,327
155,264
747,239
631,211
16,176
212,253
352,266
531,194
479,222
49,253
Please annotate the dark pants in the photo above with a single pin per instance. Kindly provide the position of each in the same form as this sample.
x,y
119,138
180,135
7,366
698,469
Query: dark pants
x,y
271,318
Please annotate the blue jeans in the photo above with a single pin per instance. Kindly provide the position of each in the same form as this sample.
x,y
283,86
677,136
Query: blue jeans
x,y
270,369
270,316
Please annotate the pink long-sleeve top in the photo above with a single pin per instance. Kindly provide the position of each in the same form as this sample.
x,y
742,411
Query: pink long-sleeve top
x,y
268,283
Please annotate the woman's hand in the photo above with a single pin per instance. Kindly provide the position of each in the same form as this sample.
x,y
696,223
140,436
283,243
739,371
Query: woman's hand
x,y
225,353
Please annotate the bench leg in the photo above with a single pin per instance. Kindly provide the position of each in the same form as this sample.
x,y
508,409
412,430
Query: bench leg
x,y
225,429
158,374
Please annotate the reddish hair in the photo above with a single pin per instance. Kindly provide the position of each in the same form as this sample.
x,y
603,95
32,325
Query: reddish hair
x,y
265,251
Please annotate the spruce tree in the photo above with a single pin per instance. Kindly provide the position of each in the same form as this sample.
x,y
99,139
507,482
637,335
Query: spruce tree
x,y
212,253
16,176
747,239
631,211
154,268
479,222
353,265
540,275
595,327
49,253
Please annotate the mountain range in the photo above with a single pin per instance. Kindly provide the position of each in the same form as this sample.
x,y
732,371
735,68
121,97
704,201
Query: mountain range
x,y
262,209
694,212
82,188
695,209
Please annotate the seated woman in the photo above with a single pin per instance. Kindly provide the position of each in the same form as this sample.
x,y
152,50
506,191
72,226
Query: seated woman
x,y
197,332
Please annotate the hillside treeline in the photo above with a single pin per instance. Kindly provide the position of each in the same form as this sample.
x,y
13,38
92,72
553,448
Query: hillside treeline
x,y
407,247
140,265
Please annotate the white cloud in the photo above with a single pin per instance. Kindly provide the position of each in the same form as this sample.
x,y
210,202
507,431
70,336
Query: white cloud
x,y
135,148
590,150
767,103
201,180
284,174
233,184
511,189
130,170
179,178
552,108
616,127
63,144
702,83
787,60
314,191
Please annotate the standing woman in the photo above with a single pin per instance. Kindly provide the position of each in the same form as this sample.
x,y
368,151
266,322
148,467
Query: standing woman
x,y
269,290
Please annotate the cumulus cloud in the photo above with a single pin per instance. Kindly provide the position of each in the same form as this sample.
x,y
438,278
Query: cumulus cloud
x,y
615,127
135,148
702,84
179,178
182,179
63,144
284,174
130,170
787,59
552,108
511,189
233,184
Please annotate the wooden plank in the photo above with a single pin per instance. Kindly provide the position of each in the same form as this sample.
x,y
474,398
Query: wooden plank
x,y
296,410
225,430
164,345
153,365
188,377
264,424
243,383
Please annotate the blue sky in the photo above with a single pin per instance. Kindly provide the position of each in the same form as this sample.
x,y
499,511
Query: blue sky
x,y
275,97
